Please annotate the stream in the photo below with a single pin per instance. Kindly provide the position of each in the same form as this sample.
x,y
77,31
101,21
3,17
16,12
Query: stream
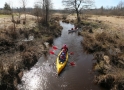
x,y
43,75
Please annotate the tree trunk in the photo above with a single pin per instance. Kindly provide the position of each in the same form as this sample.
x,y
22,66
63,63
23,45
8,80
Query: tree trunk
x,y
46,15
78,18
25,15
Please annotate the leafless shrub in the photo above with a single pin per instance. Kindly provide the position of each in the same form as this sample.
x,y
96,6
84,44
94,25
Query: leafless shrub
x,y
13,34
24,22
50,40
53,26
29,57
106,80
65,21
104,37
22,47
64,17
21,31
91,45
112,79
26,34
72,21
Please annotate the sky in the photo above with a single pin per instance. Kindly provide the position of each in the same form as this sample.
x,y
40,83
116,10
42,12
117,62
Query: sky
x,y
57,4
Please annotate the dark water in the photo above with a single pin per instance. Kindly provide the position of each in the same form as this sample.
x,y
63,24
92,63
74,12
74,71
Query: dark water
x,y
43,75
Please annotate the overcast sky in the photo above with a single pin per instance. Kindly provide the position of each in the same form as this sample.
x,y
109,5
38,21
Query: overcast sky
x,y
57,4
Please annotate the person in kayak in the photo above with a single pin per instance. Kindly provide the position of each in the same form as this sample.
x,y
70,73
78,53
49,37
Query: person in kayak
x,y
76,27
64,48
62,57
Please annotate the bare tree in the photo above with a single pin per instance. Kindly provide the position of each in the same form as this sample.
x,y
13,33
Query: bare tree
x,y
19,12
77,5
102,10
37,10
24,3
120,5
44,12
46,9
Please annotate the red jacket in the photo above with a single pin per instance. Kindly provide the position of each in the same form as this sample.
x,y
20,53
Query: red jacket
x,y
65,48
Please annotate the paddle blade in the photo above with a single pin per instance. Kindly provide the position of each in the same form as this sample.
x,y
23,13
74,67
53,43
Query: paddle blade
x,y
71,53
51,52
55,47
72,63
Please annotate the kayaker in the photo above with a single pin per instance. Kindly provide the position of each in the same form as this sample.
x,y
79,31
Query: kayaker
x,y
75,27
62,57
64,48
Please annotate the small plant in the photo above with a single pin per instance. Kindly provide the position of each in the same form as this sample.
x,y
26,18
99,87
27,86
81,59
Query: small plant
x,y
64,17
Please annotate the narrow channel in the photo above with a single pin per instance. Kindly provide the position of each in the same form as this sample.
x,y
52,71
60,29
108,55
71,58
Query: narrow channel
x,y
79,77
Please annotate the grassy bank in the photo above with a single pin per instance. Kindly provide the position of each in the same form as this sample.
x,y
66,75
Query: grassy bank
x,y
21,47
107,45
4,16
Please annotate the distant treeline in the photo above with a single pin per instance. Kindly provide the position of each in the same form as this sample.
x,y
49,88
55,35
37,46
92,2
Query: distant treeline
x,y
113,10
101,11
15,10
28,10
106,11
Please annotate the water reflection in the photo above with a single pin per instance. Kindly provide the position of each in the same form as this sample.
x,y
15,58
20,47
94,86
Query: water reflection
x,y
35,79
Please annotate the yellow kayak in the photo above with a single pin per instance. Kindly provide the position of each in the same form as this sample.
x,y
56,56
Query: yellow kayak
x,y
60,65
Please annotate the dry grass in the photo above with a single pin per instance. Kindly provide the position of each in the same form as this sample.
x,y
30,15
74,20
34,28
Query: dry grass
x,y
112,79
17,54
110,19
94,43
29,57
106,43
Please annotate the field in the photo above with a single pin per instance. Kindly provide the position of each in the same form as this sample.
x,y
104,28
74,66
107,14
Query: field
x,y
116,22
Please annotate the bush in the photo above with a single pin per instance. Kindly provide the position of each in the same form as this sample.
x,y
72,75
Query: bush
x,y
29,57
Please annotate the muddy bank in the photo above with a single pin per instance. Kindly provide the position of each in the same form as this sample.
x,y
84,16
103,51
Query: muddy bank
x,y
107,46
21,47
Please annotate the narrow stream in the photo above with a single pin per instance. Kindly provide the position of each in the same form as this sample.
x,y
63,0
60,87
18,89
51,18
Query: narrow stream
x,y
43,75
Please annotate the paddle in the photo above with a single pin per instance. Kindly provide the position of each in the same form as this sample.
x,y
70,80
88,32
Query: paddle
x,y
72,63
52,52
55,47
71,53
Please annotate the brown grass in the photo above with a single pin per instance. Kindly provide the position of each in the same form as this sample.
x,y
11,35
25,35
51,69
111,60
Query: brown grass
x,y
29,57
112,79
110,20
17,54
107,46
